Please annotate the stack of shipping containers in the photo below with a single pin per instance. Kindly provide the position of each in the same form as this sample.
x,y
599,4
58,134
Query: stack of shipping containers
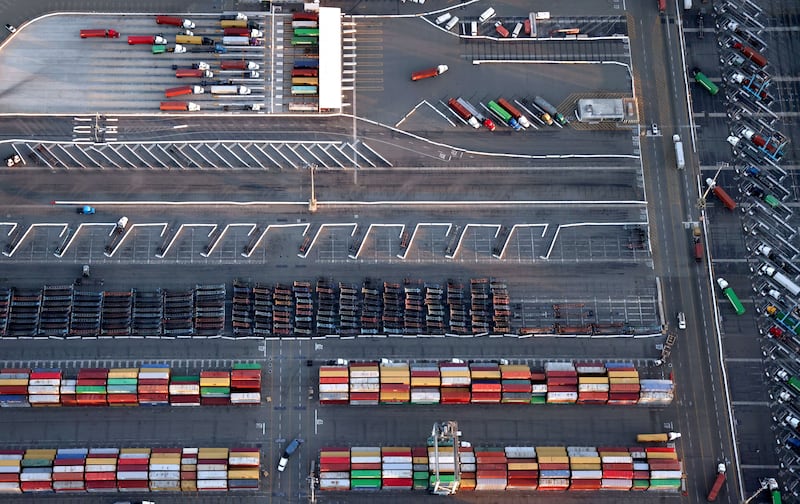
x,y
153,384
395,382
165,469
37,470
133,470
243,469
455,383
122,387
515,384
553,468
212,469
44,387
446,463
420,467
184,390
469,467
364,383
538,387
215,387
656,391
617,469
365,468
334,469
562,382
624,383
14,387
101,469
246,383
189,469
425,383
592,383
68,470
491,473
90,389
486,385
585,465
523,470
396,468
665,468
334,385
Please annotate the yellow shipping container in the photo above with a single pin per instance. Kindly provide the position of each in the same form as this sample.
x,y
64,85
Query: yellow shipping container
x,y
586,467
623,374
243,473
523,466
330,453
42,453
215,382
392,448
551,459
514,368
334,373
486,375
623,380
425,381
551,450
592,379
662,455
14,381
394,396
165,486
419,460
212,453
10,463
188,485
142,451
584,460
123,373
91,461
189,467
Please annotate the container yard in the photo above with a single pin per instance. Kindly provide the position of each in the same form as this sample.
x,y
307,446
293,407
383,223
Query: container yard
x,y
147,385
93,470
459,382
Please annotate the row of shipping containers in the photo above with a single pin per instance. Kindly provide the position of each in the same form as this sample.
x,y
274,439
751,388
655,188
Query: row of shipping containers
x,y
370,383
129,470
544,468
147,385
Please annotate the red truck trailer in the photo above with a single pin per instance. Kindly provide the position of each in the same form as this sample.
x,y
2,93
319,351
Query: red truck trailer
x,y
238,65
720,193
179,106
103,33
193,73
718,482
305,72
698,251
183,90
146,39
751,54
662,5
175,21
429,72
463,113
242,32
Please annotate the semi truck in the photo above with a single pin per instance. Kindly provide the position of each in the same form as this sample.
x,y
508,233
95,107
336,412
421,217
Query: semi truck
x,y
238,23
240,41
183,90
240,65
781,278
704,81
758,140
721,194
429,72
679,159
550,109
500,29
193,40
243,32
718,482
196,73
751,54
745,82
698,243
516,114
175,21
503,115
146,40
230,90
175,106
161,49
662,437
463,113
487,123
102,33
727,290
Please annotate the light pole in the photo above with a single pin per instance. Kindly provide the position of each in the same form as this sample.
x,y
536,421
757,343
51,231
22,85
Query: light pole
x,y
312,203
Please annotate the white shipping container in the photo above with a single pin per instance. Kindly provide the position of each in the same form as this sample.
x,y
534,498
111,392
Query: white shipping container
x,y
211,475
68,469
154,375
371,449
616,460
68,485
335,475
621,484
184,388
244,460
587,475
397,474
190,451
553,482
334,484
245,397
212,467
597,369
333,396
9,469
520,452
538,388
12,487
365,387
467,458
44,399
562,396
593,387
212,484
451,381
425,396
364,380
665,474
48,382
132,475
164,467
365,460
397,466
165,475
396,460
333,387
559,366
582,451
103,451
27,476
10,456
101,468
469,467
363,374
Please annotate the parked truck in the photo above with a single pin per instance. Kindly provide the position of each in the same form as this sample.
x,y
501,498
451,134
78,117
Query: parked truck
x,y
698,243
721,194
175,106
193,40
175,21
504,115
679,159
146,40
230,90
183,90
758,140
500,29
243,32
239,65
240,41
196,73
662,437
550,109
237,16
727,290
718,482
516,114
751,54
161,49
781,278
485,121
429,72
463,113
102,33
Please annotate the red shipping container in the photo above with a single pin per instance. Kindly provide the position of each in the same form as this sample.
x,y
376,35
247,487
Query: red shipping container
x,y
641,474
523,484
486,397
133,485
491,466
153,397
585,484
246,384
12,452
395,387
367,467
101,476
69,461
36,486
91,399
334,401
13,389
45,375
210,461
153,389
364,396
490,474
75,476
123,400
185,399
188,475
9,477
101,485
478,386
396,482
93,374
330,467
15,370
561,388
91,382
454,395
125,467
214,374
425,374
214,401
659,449
522,474
617,474
152,381
618,467
166,450
333,379
516,387
69,400
334,449
562,381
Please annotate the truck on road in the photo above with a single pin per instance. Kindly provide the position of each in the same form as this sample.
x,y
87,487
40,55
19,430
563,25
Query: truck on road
x,y
516,114
243,32
230,90
238,65
463,113
183,90
721,194
429,72
240,41
146,40
179,106
102,33
175,21
727,290
662,437
550,109
193,40
196,73
679,159
718,482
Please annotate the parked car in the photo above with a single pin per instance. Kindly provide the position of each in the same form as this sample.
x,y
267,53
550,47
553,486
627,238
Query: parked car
x,y
290,449
86,210
11,28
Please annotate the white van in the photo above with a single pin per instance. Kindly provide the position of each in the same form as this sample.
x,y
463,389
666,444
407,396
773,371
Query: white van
x,y
487,15
516,31
450,24
444,17
473,28
681,320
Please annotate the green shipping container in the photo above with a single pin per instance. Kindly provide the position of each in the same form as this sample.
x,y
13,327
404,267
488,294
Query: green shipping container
x,y
36,462
641,484
665,483
123,381
365,473
772,201
185,379
538,399
365,484
247,365
215,391
159,49
122,389
90,389
444,478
